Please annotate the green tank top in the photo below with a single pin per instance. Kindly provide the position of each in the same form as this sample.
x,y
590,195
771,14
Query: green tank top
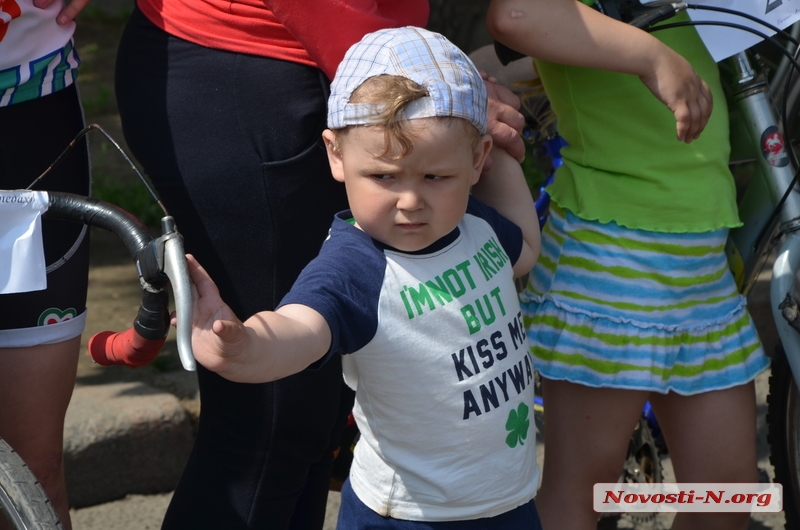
x,y
624,163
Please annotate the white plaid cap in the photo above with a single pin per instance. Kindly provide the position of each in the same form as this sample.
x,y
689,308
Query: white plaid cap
x,y
454,86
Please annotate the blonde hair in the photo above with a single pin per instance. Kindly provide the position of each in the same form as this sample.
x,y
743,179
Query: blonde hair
x,y
390,94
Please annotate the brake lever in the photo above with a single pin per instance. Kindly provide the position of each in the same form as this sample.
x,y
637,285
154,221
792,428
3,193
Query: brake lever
x,y
172,261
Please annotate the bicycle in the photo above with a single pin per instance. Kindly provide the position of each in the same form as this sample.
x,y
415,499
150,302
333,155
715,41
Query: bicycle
x,y
160,263
769,209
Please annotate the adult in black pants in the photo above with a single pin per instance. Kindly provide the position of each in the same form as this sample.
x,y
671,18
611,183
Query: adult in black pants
x,y
232,143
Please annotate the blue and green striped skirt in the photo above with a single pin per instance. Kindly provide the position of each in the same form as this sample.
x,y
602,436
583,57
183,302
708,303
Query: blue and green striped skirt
x,y
608,306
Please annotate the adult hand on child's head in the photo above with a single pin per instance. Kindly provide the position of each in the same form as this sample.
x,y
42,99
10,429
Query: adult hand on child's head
x,y
67,14
505,122
218,336
677,85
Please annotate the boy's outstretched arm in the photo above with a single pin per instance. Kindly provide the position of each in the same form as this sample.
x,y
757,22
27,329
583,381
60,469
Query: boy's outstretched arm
x,y
504,188
569,32
267,346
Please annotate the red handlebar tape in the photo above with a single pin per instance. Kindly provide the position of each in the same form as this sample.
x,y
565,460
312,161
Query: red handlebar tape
x,y
126,348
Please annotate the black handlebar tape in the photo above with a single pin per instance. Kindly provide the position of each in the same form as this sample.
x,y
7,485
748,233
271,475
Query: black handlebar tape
x,y
70,207
141,343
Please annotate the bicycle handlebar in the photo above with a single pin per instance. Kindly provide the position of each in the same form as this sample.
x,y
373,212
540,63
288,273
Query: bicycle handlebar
x,y
158,261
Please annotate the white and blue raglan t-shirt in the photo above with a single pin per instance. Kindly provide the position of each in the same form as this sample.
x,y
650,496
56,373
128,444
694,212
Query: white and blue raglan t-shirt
x,y
433,343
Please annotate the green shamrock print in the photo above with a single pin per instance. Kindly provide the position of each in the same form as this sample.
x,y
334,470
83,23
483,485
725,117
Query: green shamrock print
x,y
518,423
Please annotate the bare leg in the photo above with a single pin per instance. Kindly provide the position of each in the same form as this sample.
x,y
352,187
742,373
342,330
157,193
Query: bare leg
x,y
586,438
35,388
711,438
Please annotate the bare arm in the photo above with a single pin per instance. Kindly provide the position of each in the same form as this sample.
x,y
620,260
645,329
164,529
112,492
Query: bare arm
x,y
568,32
267,346
504,188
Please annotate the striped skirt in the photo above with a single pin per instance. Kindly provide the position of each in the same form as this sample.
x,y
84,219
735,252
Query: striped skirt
x,y
607,306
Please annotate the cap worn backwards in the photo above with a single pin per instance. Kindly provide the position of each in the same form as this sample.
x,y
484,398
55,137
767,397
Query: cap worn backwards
x,y
455,88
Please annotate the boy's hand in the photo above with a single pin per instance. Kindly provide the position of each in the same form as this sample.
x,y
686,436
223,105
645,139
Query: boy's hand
x,y
218,336
677,85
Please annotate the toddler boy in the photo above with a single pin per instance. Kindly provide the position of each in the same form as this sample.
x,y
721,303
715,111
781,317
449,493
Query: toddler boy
x,y
414,288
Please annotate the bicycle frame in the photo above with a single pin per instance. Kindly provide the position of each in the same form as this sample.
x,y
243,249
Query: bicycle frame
x,y
750,245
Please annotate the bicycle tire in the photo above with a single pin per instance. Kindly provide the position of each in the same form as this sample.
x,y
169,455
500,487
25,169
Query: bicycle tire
x,y
22,499
783,435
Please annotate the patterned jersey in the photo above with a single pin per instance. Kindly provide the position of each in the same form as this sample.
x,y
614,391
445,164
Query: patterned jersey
x,y
37,56
434,345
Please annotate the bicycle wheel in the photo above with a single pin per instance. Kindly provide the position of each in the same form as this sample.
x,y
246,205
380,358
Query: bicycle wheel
x,y
22,499
783,422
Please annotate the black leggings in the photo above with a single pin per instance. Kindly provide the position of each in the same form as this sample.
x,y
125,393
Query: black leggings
x,y
232,143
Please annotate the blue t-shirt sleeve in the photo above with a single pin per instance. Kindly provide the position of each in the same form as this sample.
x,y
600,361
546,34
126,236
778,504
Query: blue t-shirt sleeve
x,y
509,234
343,284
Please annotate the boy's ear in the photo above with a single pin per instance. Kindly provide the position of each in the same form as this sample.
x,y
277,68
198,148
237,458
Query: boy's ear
x,y
481,153
334,154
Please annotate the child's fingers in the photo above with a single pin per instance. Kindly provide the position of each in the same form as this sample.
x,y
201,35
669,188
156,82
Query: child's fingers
x,y
706,103
692,117
195,294
200,278
701,109
192,262
683,118
674,82
227,330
